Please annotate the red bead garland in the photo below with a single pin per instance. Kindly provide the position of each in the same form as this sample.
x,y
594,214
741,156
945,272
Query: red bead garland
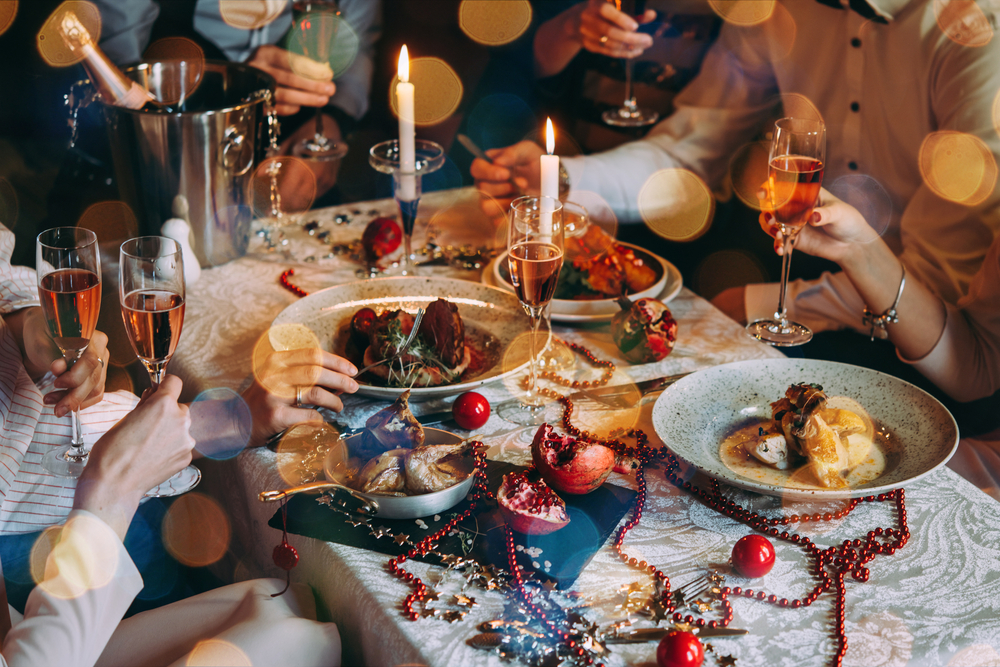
x,y
294,289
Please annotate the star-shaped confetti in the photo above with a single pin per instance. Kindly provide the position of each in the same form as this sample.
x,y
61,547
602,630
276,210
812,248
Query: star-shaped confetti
x,y
549,585
463,601
324,500
353,521
727,661
431,595
380,532
452,616
401,539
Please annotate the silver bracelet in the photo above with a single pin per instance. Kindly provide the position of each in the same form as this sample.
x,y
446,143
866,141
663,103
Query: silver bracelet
x,y
889,316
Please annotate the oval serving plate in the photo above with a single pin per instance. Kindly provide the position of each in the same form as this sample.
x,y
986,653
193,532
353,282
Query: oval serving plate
x,y
492,314
694,415
666,287
406,507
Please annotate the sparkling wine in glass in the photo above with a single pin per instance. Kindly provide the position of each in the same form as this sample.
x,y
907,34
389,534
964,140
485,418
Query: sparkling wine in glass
x,y
795,175
629,114
68,265
151,289
534,257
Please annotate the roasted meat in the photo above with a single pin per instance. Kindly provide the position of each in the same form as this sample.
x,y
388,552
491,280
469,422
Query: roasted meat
x,y
433,467
385,474
394,427
443,329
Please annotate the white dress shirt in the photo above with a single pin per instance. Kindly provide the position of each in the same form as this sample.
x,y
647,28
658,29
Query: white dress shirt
x,y
880,88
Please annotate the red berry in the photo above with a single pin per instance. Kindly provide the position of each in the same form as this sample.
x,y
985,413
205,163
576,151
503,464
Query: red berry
x,y
285,556
753,556
471,410
381,237
679,649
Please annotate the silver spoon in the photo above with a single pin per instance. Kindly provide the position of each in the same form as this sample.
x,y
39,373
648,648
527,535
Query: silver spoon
x,y
401,350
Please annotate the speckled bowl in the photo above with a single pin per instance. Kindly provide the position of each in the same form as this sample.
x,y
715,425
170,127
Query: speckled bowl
x,y
327,313
695,415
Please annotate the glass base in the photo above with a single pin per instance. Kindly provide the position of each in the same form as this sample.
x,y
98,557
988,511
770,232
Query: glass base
x,y
60,463
625,117
180,483
320,148
517,412
780,334
556,356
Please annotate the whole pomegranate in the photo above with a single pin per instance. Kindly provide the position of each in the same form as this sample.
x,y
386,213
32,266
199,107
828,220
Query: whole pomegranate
x,y
530,507
574,466
644,330
381,237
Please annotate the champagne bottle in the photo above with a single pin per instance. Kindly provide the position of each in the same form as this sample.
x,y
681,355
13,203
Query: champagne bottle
x,y
115,88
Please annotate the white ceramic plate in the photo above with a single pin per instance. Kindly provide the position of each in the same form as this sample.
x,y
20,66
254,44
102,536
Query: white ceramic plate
x,y
484,310
694,415
568,311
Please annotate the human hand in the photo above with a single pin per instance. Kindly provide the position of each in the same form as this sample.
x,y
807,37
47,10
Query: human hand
x,y
514,171
143,450
79,387
312,375
610,32
301,82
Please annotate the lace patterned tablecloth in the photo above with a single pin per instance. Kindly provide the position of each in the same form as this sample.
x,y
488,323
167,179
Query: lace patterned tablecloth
x,y
935,602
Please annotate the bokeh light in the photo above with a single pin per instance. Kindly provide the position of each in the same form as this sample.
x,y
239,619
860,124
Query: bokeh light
x,y
217,653
608,416
958,167
323,45
279,340
676,204
51,45
728,268
868,196
8,204
298,444
292,336
186,63
86,557
467,227
221,423
496,22
111,221
796,105
963,22
743,12
996,112
437,89
780,31
196,530
8,11
250,14
282,189
517,354
748,172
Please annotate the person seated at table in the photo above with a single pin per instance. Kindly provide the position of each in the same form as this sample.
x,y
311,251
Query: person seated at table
x,y
74,615
842,65
37,393
955,346
129,26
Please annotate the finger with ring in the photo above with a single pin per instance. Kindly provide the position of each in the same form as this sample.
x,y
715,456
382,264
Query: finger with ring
x,y
101,361
299,402
604,39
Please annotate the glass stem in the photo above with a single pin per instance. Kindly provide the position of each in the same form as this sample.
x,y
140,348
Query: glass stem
x,y
156,370
629,97
787,244
319,123
77,449
535,314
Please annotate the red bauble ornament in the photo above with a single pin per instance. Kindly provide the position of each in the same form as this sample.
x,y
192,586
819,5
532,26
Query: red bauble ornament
x,y
644,330
285,556
753,556
381,237
679,649
471,410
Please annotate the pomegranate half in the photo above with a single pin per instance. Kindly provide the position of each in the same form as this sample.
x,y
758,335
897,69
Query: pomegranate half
x,y
574,466
531,508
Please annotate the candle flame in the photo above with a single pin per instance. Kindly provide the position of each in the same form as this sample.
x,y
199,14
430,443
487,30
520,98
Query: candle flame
x,y
550,136
404,65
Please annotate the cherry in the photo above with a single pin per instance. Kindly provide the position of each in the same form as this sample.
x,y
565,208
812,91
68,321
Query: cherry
x,y
471,410
679,649
753,556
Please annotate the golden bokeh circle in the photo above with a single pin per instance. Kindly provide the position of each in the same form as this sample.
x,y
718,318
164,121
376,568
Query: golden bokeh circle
x,y
196,530
49,41
8,204
217,653
676,204
743,12
996,112
292,336
599,212
301,442
8,12
87,563
250,14
496,22
282,189
728,268
110,220
608,417
261,366
518,353
958,167
190,61
797,105
963,22
748,172
437,91
322,45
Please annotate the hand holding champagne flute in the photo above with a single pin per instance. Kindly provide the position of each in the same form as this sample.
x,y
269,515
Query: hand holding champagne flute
x,y
534,257
795,175
68,265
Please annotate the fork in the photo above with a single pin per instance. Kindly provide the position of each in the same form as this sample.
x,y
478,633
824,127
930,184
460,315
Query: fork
x,y
692,589
401,350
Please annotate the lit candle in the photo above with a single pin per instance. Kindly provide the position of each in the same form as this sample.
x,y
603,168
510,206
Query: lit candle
x,y
407,150
550,177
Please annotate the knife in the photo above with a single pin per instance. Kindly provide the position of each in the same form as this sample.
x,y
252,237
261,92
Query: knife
x,y
471,146
619,390
656,634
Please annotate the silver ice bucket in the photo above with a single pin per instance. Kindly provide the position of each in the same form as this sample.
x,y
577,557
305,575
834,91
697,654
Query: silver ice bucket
x,y
205,148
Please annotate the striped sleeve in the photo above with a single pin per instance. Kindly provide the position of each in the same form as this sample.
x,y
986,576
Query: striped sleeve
x,y
18,288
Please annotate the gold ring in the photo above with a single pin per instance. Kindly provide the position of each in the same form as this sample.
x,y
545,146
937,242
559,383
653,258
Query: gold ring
x,y
604,39
100,360
298,396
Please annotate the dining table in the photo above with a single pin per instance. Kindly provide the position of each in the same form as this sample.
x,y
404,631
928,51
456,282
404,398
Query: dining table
x,y
936,601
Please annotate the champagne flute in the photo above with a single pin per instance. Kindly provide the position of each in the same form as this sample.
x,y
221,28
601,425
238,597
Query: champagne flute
x,y
795,174
629,114
68,265
151,289
534,256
